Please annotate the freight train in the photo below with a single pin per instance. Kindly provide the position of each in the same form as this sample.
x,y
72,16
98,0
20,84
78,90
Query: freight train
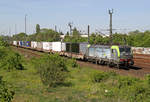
x,y
111,55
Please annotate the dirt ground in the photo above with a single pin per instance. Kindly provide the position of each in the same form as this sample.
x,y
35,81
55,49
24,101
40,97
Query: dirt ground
x,y
139,70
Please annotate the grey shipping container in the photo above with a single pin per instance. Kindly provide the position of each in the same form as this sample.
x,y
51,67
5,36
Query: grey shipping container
x,y
83,48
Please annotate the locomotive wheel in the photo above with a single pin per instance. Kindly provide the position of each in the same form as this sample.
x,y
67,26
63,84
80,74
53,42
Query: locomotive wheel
x,y
111,64
102,62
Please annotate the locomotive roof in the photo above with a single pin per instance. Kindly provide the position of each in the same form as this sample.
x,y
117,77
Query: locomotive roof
x,y
106,46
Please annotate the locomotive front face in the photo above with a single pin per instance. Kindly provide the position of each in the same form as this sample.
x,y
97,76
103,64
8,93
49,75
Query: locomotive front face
x,y
126,56
123,55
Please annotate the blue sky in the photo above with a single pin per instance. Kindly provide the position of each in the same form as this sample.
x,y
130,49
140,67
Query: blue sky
x,y
128,14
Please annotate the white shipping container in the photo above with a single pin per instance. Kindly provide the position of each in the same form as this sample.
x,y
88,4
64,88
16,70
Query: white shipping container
x,y
47,45
19,43
14,42
58,46
33,44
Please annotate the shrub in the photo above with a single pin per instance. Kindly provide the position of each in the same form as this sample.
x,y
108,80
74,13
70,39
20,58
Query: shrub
x,y
73,63
98,77
52,70
3,44
6,93
126,81
148,79
11,60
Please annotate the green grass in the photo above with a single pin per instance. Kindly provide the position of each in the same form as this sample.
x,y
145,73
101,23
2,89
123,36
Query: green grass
x,y
29,88
78,87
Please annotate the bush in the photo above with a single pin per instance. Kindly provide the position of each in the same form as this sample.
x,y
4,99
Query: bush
x,y
3,44
126,81
98,77
52,70
72,63
11,60
6,94
148,79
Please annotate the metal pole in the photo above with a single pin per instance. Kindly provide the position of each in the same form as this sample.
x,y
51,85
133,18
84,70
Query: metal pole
x,y
110,13
88,33
25,26
71,40
25,23
15,29
55,28
9,31
70,25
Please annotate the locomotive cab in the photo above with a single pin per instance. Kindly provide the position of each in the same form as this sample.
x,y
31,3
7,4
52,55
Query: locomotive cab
x,y
123,55
126,56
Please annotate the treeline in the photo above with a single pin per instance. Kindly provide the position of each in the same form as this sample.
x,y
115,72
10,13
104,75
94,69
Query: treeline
x,y
134,38
40,35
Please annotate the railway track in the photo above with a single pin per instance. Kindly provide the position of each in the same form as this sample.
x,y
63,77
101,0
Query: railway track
x,y
139,70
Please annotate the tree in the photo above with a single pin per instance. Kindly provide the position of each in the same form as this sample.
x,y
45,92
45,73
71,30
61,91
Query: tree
x,y
20,37
52,69
37,28
48,35
76,36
